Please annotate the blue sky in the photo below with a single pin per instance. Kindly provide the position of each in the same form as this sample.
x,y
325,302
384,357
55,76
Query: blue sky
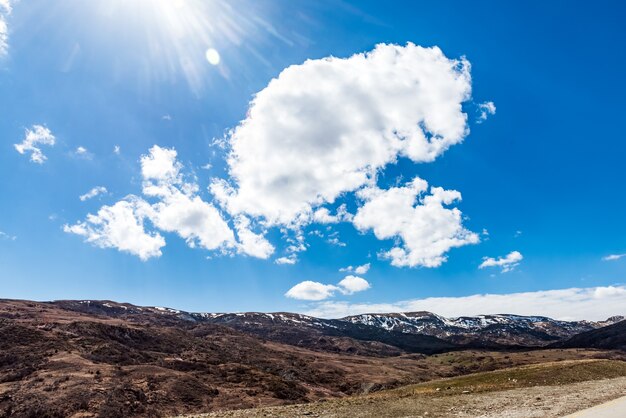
x,y
543,175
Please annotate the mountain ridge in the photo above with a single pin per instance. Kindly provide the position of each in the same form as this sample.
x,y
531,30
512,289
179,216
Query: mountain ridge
x,y
489,330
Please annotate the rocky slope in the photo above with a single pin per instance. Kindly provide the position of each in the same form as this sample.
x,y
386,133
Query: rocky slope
x,y
610,337
331,334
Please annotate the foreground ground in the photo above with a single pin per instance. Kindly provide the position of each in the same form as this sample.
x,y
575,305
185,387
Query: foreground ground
x,y
548,390
102,359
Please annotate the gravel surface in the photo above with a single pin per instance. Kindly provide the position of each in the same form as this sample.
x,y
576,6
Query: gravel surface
x,y
538,401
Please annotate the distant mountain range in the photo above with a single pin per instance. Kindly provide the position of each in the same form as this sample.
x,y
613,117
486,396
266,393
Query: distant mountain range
x,y
421,332
500,328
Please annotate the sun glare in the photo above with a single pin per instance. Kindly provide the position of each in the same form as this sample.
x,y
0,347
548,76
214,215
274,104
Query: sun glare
x,y
170,38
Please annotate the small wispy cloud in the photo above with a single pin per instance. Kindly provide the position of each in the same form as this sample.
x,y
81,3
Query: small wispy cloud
x,y
506,263
82,152
116,150
613,257
5,11
36,136
336,241
290,260
363,269
5,236
93,193
485,110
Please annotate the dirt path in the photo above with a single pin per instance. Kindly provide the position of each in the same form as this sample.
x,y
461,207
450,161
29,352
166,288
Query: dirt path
x,y
538,401
613,409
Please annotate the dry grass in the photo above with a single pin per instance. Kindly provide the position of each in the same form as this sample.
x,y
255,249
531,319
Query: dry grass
x,y
539,390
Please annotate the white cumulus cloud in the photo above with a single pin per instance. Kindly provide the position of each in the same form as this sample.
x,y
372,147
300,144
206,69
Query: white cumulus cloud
x,y
506,263
419,217
251,243
196,221
352,284
98,190
35,136
170,204
594,303
310,290
121,226
179,209
319,133
324,128
363,269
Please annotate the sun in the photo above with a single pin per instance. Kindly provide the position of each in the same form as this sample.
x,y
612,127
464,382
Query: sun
x,y
172,38
212,56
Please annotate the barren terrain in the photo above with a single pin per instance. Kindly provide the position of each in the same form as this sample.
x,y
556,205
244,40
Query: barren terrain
x,y
550,390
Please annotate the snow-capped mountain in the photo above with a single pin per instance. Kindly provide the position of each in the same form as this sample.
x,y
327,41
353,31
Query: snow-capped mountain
x,y
410,331
498,328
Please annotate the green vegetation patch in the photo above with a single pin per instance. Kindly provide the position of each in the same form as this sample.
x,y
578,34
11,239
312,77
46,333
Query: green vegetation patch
x,y
547,374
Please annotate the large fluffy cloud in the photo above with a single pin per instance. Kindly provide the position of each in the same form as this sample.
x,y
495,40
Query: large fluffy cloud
x,y
35,136
320,132
325,127
595,303
419,217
